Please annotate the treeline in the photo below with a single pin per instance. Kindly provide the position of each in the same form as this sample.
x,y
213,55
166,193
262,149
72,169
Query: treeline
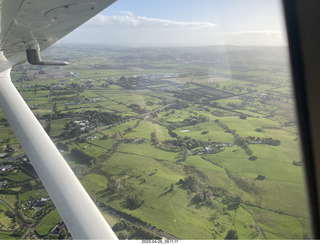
x,y
238,140
224,126
241,142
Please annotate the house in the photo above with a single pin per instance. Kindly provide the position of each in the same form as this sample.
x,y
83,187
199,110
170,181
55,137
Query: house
x,y
5,168
59,228
3,155
45,199
3,183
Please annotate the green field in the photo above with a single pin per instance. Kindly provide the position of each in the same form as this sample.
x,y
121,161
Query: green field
x,y
6,222
215,133
153,140
48,223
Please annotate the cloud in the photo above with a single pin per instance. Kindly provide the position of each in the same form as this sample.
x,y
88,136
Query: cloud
x,y
127,28
127,13
128,19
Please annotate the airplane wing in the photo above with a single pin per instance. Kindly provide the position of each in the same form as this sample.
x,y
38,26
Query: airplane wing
x,y
34,25
24,22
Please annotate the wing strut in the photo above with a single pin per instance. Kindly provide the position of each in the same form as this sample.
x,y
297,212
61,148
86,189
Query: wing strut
x,y
75,206
33,56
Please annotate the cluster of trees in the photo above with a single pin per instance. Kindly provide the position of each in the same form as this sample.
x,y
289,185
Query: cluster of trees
x,y
19,232
193,120
178,105
261,177
105,118
62,146
232,235
191,183
203,197
202,193
172,133
122,225
107,82
138,109
133,139
233,202
253,158
95,118
132,83
186,142
154,138
133,200
82,158
268,141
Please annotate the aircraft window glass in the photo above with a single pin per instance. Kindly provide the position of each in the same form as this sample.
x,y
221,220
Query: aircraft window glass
x,y
176,117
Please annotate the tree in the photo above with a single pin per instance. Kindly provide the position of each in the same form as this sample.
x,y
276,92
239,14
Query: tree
x,y
134,201
76,132
32,184
154,138
171,187
122,225
62,146
253,158
183,154
260,177
81,158
232,235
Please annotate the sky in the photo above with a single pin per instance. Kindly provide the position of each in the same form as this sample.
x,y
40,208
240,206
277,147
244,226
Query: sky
x,y
185,23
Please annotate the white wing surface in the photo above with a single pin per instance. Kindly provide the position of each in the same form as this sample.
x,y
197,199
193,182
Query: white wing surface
x,y
26,24
44,21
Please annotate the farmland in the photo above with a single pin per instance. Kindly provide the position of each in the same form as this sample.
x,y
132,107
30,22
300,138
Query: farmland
x,y
172,139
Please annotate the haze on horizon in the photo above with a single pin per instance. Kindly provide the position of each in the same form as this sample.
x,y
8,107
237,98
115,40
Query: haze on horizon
x,y
185,23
